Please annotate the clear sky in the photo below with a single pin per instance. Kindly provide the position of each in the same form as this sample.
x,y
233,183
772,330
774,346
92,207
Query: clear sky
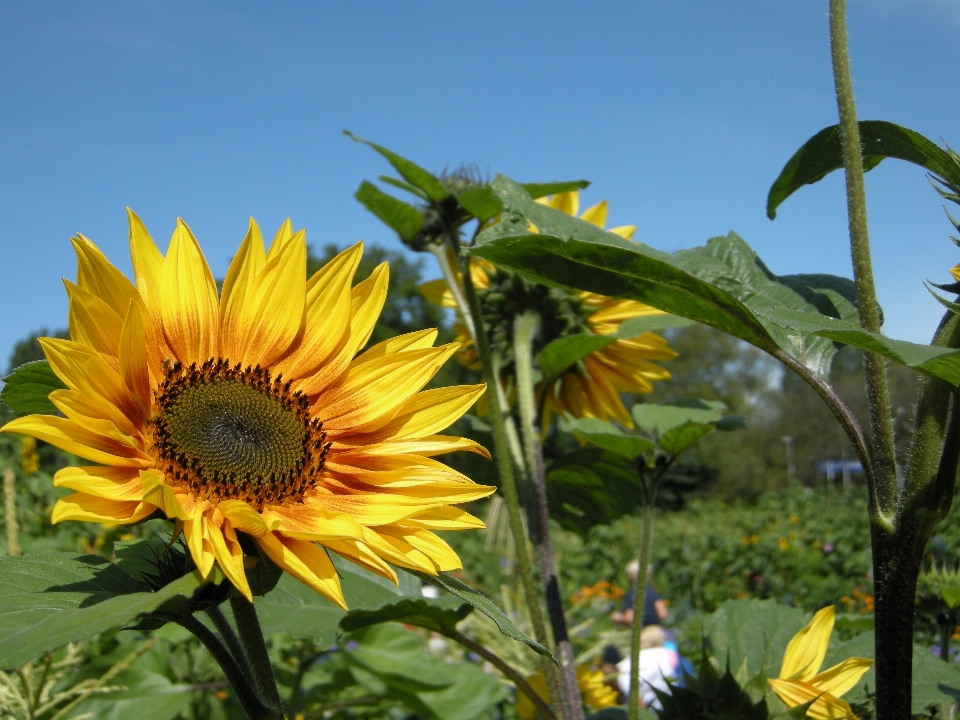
x,y
682,113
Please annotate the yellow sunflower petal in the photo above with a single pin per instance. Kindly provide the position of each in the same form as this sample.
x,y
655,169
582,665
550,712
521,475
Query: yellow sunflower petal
x,y
271,314
596,214
68,435
228,554
306,562
370,390
955,271
133,359
445,518
841,678
398,551
199,545
327,315
428,446
238,287
245,519
78,408
825,706
441,555
312,522
805,652
109,483
568,202
284,235
92,321
624,231
157,492
418,340
89,508
148,264
188,300
374,509
357,552
437,292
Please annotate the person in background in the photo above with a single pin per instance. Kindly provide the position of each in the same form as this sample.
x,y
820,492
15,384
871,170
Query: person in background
x,y
654,606
660,665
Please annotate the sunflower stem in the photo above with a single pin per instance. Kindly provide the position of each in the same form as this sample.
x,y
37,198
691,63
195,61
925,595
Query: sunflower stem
x,y
507,480
455,288
253,706
255,649
639,600
230,640
525,327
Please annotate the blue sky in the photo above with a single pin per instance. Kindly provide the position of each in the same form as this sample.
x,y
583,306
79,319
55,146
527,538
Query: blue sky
x,y
682,113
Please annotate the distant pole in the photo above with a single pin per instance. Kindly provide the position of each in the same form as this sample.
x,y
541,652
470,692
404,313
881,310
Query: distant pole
x,y
10,512
843,465
791,467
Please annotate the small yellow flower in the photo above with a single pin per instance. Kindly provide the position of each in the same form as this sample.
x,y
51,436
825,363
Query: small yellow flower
x,y
29,459
783,543
799,680
794,519
596,694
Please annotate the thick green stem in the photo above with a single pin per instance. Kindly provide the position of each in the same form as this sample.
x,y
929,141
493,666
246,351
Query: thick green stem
x,y
455,288
230,639
884,457
524,329
507,481
255,649
246,694
639,600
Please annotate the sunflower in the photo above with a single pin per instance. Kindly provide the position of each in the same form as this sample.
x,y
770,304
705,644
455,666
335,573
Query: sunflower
x,y
592,387
252,413
595,692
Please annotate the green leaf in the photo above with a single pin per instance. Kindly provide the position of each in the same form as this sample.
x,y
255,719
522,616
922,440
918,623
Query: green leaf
x,y
950,595
591,487
637,326
539,190
565,352
822,154
411,172
405,219
147,695
439,615
940,362
481,602
722,284
404,186
608,436
752,632
481,203
27,389
50,599
663,417
294,608
678,439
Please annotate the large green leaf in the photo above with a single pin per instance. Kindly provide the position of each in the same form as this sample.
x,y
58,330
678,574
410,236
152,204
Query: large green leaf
x,y
722,284
410,171
50,599
28,387
608,436
147,695
822,154
660,418
539,190
404,219
591,487
752,633
294,608
439,615
678,439
481,602
940,362
934,681
480,202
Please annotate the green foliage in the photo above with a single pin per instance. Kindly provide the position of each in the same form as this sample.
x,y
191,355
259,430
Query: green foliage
x,y
723,284
27,388
49,599
821,155
395,214
711,695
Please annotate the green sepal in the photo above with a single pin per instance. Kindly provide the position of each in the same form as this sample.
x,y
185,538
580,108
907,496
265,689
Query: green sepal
x,y
409,171
539,190
399,216
481,203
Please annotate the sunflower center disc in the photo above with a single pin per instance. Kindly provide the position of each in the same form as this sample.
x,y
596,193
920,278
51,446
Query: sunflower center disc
x,y
228,433
236,428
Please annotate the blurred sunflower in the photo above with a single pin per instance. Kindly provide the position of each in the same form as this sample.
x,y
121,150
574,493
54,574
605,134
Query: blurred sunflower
x,y
592,387
595,692
955,271
252,412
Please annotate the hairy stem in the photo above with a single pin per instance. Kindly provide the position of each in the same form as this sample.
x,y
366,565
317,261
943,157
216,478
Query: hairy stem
x,y
516,678
253,706
10,512
455,288
507,481
885,462
639,600
255,649
230,639
524,329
